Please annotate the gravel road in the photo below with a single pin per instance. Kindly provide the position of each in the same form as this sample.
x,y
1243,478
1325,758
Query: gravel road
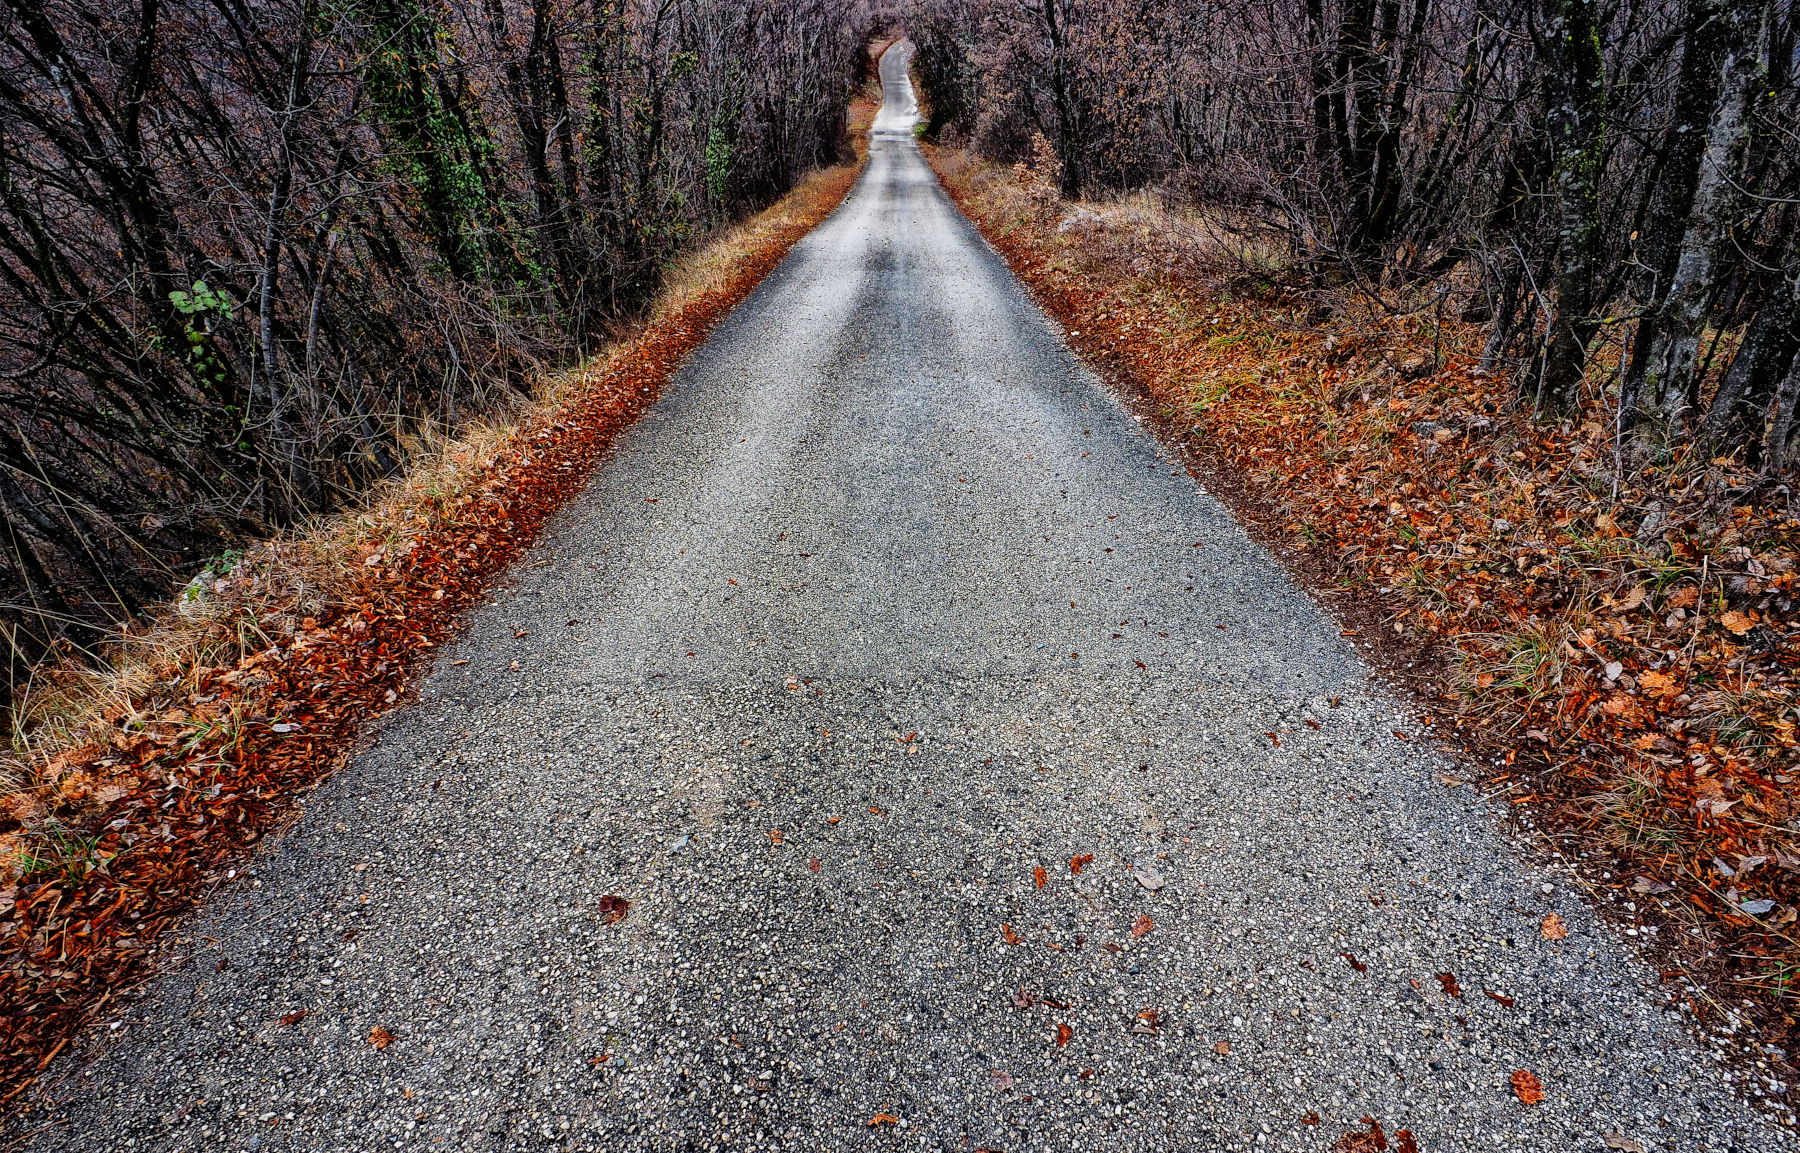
x,y
886,606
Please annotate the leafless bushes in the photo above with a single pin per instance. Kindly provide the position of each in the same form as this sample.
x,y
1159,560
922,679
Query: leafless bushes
x,y
248,252
1609,187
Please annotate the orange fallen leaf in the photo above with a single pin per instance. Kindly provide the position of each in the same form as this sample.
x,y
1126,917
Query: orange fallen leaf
x,y
1553,928
813,864
1142,925
613,909
380,1037
1076,864
1038,877
1222,1048
775,836
1063,1033
1737,622
1372,1140
883,1119
1008,934
294,1018
1526,1086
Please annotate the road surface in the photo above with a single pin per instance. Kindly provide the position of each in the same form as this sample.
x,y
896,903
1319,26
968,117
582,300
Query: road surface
x,y
886,606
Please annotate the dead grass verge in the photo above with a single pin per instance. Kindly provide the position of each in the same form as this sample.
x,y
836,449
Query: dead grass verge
x,y
131,789
1619,647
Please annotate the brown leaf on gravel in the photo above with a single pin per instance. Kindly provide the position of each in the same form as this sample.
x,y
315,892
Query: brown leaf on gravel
x,y
1526,1087
1076,864
883,1119
1553,928
1063,1033
1142,925
294,1018
775,836
1222,1048
613,909
1448,981
1009,934
1354,963
1504,1000
1404,1141
1039,877
813,864
1371,1140
380,1037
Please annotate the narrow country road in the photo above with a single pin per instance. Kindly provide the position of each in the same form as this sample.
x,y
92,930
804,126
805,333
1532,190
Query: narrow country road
x,y
887,605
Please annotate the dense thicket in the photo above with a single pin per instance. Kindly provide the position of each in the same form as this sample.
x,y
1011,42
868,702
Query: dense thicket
x,y
248,248
1614,186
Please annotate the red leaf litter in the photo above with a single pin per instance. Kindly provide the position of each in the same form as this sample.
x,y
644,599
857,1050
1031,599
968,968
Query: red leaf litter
x,y
72,942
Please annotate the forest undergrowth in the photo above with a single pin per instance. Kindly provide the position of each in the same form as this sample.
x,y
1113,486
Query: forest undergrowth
x,y
132,789
1613,644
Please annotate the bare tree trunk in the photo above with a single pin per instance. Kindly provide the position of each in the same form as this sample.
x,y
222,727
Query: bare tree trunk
x,y
1577,109
1669,387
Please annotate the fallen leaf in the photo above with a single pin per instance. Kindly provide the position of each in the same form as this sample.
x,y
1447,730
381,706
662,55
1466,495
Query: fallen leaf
x,y
1404,1141
1553,928
1063,1033
380,1037
813,864
1526,1087
1149,1021
1371,1140
1222,1048
775,836
1448,981
1148,876
1311,1118
879,1118
1009,934
1737,622
1142,925
1273,739
613,909
1354,963
1038,877
1076,864
294,1018
1504,1000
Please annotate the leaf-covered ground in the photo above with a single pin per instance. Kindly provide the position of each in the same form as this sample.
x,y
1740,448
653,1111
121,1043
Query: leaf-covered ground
x,y
1618,646
116,826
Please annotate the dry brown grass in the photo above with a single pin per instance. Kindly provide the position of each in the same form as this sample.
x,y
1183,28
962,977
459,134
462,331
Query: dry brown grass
x,y
246,601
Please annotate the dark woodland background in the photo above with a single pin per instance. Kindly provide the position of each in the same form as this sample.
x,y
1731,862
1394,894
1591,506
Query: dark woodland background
x,y
249,252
